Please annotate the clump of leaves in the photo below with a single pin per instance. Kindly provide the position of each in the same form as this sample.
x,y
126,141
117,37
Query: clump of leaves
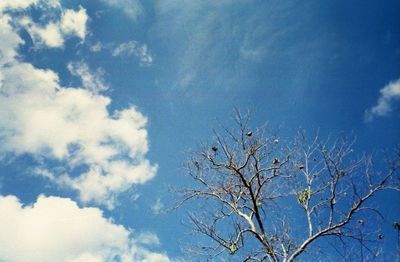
x,y
232,247
304,196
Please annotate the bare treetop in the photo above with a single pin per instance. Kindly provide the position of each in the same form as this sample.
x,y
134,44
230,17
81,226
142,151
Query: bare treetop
x,y
261,198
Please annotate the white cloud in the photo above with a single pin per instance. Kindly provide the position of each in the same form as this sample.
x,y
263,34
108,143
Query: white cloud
x,y
93,81
157,207
148,238
388,95
1,80
134,48
73,125
126,49
19,4
96,47
56,229
8,40
70,126
54,33
49,35
131,8
74,22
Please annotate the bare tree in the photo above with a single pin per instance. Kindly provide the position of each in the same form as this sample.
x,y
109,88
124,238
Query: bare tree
x,y
258,198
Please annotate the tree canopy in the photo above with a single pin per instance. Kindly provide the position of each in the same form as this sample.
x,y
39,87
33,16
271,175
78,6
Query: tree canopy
x,y
258,197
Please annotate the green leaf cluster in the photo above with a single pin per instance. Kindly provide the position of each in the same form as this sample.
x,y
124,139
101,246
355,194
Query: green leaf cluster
x,y
304,196
233,249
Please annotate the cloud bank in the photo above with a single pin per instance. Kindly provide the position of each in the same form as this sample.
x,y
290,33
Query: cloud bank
x,y
57,229
388,95
71,127
77,142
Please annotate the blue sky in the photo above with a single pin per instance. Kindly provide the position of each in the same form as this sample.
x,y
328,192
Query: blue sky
x,y
101,100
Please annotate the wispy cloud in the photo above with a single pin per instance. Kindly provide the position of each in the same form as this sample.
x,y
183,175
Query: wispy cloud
x,y
213,45
389,94
148,238
126,49
96,47
132,8
134,48
92,80
157,207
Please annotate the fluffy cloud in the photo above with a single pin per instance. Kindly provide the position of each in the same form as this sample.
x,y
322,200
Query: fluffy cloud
x,y
9,40
78,143
136,49
12,4
131,8
388,95
74,22
69,127
73,125
56,229
49,35
53,33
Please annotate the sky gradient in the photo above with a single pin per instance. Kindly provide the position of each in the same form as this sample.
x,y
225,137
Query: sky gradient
x,y
101,100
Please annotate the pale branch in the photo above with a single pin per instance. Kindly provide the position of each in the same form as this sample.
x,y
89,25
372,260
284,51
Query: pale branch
x,y
249,181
